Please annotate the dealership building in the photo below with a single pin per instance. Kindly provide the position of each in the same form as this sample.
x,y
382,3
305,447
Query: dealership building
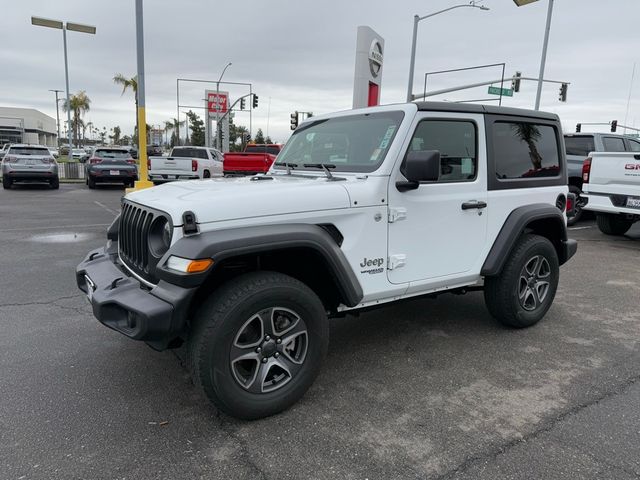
x,y
27,125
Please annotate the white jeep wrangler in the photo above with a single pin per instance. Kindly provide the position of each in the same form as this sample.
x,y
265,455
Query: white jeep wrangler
x,y
361,208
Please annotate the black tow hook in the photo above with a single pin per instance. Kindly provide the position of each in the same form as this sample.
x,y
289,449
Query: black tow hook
x,y
94,255
114,284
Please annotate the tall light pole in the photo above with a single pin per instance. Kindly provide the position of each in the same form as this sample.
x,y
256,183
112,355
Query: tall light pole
x,y
417,19
218,131
76,27
57,115
143,177
545,43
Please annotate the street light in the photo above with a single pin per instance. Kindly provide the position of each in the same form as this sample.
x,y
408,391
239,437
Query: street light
x,y
543,60
218,139
57,116
76,27
416,20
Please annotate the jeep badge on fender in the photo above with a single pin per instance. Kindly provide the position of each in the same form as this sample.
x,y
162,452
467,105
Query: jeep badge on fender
x,y
249,282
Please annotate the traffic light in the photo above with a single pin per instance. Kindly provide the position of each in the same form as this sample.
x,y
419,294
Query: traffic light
x,y
242,103
255,101
578,127
294,121
563,92
614,125
515,82
309,114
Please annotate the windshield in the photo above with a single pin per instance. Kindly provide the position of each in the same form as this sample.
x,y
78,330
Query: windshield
x,y
355,143
189,152
112,154
579,145
29,151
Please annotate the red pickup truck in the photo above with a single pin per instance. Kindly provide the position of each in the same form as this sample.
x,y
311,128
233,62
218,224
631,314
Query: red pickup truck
x,y
256,158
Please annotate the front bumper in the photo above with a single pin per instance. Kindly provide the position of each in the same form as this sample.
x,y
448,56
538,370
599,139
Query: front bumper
x,y
119,301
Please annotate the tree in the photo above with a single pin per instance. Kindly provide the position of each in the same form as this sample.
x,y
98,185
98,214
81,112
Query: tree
x,y
268,140
530,134
115,138
259,137
176,128
103,135
78,104
196,125
128,83
135,134
237,133
168,126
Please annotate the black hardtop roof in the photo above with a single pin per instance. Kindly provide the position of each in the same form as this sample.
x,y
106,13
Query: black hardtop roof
x,y
478,108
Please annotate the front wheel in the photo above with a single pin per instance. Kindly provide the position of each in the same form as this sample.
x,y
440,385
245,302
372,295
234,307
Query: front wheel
x,y
613,223
258,344
523,292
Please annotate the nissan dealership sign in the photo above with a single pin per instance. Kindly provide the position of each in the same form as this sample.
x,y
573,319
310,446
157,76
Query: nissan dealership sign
x,y
375,58
367,80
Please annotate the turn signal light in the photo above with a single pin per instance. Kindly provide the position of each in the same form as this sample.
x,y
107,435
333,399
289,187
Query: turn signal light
x,y
186,265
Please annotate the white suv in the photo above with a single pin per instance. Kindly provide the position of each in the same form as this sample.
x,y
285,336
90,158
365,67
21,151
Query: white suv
x,y
361,209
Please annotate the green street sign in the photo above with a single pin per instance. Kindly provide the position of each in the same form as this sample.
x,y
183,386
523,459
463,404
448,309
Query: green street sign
x,y
505,92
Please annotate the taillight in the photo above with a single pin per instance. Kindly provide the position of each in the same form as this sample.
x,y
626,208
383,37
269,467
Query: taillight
x,y
586,170
47,160
9,158
194,165
148,164
131,161
94,160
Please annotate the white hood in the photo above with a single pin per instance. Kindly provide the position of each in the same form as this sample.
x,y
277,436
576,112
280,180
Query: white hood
x,y
221,199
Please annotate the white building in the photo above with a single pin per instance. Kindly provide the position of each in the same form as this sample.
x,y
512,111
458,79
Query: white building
x,y
27,125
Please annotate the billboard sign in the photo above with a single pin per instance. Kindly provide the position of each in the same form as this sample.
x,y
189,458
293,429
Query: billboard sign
x,y
217,102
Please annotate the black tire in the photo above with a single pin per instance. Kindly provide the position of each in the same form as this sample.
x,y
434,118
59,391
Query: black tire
x,y
91,182
577,206
227,325
206,174
613,223
6,183
523,292
55,184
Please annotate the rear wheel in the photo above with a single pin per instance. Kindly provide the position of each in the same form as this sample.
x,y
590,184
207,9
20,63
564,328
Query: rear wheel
x,y
6,183
258,343
55,183
523,292
206,174
613,224
91,182
577,207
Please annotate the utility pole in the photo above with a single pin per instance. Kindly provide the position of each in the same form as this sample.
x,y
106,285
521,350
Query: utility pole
x,y
57,116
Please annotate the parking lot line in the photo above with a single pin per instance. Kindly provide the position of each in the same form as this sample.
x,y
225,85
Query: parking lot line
x,y
56,227
105,207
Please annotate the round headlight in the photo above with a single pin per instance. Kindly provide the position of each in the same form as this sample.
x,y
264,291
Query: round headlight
x,y
160,235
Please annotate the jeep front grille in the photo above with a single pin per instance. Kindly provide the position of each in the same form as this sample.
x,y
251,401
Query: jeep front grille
x,y
133,237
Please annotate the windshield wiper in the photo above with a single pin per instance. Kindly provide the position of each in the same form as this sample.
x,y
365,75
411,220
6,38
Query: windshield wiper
x,y
323,166
290,166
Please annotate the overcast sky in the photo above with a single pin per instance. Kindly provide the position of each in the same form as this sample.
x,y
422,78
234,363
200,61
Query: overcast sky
x,y
299,55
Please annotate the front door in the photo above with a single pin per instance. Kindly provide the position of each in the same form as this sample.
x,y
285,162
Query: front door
x,y
439,229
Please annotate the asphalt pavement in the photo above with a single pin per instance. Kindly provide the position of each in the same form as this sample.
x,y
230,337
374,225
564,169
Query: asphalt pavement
x,y
429,389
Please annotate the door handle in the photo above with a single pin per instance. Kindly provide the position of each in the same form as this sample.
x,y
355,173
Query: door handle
x,y
474,204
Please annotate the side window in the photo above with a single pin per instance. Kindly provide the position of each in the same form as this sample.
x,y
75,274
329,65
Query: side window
x,y
613,144
456,142
525,150
634,145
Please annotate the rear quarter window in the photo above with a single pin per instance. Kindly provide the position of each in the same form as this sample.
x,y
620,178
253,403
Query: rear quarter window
x,y
524,150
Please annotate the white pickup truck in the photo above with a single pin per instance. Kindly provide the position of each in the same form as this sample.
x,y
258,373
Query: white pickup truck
x,y
186,163
611,185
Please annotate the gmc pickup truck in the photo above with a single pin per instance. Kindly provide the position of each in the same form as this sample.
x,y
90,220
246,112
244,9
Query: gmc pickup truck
x,y
256,158
363,208
186,163
611,186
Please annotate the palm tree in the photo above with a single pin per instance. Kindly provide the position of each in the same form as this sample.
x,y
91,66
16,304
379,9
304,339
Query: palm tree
x,y
177,124
128,83
79,104
168,126
530,134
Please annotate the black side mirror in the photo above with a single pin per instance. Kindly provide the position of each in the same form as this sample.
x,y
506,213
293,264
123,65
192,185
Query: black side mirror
x,y
420,166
